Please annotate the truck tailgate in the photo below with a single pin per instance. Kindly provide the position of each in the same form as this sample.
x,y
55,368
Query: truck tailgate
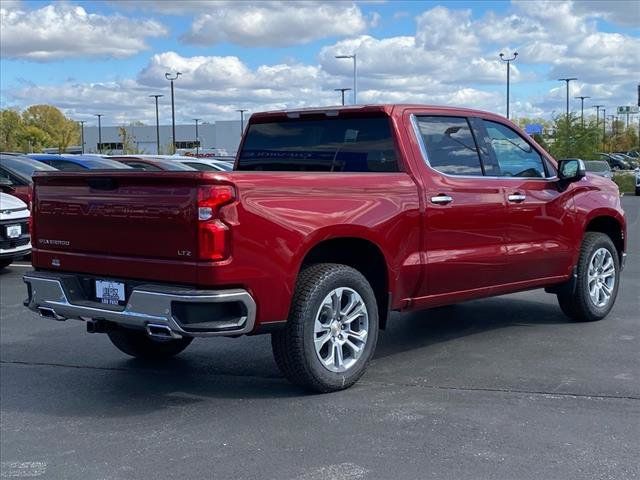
x,y
123,215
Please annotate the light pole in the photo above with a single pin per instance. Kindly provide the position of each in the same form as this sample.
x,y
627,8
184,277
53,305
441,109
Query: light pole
x,y
582,97
82,122
355,74
508,61
242,110
341,90
597,107
157,123
99,115
567,80
613,124
197,141
173,109
604,128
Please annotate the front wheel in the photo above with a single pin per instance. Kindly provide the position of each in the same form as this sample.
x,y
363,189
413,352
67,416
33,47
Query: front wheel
x,y
138,344
332,330
598,275
5,263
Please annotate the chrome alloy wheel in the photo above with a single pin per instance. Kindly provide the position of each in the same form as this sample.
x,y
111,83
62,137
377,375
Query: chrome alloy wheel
x,y
601,277
340,329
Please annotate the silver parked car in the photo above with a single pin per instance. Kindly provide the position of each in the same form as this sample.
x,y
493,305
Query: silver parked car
x,y
599,167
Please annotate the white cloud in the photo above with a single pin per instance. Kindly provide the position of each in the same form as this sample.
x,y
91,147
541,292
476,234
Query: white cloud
x,y
275,23
621,12
451,58
61,31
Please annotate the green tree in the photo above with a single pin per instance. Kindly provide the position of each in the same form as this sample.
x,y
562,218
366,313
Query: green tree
x,y
572,139
33,139
10,130
61,131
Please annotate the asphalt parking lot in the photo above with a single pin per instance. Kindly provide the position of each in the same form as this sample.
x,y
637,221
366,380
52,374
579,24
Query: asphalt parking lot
x,y
503,388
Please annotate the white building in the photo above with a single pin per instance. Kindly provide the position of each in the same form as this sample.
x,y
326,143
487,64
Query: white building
x,y
221,134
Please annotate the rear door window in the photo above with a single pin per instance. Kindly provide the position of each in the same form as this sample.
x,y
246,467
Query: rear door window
x,y
332,144
450,145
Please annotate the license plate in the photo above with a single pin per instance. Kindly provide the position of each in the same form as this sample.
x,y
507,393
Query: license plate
x,y
14,231
111,293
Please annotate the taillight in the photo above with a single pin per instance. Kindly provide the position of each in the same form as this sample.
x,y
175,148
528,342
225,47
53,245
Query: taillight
x,y
213,234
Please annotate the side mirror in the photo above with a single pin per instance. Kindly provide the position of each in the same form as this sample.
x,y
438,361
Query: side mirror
x,y
571,169
6,185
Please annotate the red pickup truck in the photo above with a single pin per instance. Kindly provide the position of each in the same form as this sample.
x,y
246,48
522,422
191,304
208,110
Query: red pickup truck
x,y
331,219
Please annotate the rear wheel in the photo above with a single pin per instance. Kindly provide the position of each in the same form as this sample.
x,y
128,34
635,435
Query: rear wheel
x,y
598,273
138,344
332,330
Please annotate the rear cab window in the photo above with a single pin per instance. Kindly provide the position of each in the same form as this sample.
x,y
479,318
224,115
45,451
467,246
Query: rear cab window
x,y
329,144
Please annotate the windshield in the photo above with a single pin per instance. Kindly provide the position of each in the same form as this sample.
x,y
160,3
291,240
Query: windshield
x,y
95,163
320,145
23,166
597,166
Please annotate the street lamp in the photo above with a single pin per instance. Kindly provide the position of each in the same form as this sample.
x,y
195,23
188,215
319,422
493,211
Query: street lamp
x,y
582,97
355,74
597,107
197,141
171,78
242,110
157,123
82,122
508,61
341,90
99,115
567,80
604,127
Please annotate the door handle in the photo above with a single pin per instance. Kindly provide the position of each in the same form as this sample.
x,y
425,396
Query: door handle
x,y
517,197
441,199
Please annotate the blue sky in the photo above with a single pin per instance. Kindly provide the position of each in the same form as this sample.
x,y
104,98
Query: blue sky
x,y
88,57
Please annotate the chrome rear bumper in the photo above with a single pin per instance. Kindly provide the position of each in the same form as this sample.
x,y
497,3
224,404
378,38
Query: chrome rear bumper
x,y
57,296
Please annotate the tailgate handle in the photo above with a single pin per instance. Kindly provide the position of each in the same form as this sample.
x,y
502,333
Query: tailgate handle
x,y
103,183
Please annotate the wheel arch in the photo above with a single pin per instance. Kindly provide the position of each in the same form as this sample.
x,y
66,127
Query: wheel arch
x,y
361,254
610,226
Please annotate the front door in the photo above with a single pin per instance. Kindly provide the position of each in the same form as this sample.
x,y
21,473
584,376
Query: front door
x,y
539,213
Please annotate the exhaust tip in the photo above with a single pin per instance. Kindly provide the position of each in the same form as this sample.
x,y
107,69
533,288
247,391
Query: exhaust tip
x,y
161,331
47,312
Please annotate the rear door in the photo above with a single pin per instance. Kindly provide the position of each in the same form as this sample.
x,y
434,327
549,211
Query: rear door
x,y
539,212
465,212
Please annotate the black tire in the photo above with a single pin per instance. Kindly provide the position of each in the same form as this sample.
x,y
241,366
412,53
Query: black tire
x,y
293,346
578,305
138,344
5,263
637,191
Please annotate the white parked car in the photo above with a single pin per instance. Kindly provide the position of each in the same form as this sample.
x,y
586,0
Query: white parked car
x,y
15,240
204,164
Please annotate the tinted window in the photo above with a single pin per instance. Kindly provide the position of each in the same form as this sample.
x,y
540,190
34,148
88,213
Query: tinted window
x,y
515,156
65,166
320,145
450,146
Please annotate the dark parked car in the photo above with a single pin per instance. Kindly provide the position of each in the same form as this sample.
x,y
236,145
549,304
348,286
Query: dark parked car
x,y
77,163
616,162
599,167
18,170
